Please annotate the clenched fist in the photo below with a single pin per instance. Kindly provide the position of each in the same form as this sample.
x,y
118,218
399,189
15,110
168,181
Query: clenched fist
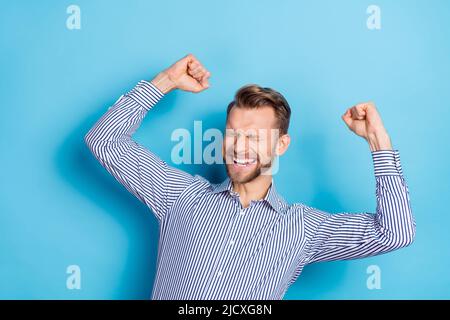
x,y
365,121
187,74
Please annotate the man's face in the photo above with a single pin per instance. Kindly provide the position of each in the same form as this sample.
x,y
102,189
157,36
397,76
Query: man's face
x,y
250,142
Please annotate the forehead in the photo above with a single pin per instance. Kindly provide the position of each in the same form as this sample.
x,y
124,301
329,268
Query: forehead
x,y
251,118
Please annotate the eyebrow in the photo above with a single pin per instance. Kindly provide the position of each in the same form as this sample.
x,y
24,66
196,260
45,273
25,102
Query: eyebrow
x,y
252,133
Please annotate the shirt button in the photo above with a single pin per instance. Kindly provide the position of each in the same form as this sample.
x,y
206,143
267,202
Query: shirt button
x,y
242,212
231,242
219,273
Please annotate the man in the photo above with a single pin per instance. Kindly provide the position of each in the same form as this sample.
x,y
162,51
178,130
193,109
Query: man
x,y
240,239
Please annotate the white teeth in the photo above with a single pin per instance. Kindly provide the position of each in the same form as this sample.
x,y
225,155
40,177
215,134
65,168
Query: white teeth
x,y
242,162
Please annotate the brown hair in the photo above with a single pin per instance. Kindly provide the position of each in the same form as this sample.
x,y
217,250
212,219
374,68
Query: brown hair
x,y
255,96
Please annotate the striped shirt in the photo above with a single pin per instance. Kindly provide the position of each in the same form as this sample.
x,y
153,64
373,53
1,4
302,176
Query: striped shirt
x,y
210,247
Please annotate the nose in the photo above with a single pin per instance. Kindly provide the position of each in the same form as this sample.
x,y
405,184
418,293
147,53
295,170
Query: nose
x,y
241,145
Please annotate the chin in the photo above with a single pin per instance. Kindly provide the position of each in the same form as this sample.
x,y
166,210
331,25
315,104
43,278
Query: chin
x,y
241,177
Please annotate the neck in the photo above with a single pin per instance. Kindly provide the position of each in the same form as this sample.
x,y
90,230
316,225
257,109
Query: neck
x,y
253,190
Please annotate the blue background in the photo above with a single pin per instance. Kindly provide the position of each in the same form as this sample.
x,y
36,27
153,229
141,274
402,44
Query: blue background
x,y
60,207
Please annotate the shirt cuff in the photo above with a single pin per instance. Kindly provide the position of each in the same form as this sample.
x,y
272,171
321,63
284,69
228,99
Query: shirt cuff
x,y
146,94
386,162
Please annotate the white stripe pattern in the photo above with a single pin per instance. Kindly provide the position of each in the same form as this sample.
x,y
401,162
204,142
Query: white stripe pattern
x,y
210,247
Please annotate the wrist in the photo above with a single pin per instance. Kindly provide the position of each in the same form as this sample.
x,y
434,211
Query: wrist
x,y
163,83
379,140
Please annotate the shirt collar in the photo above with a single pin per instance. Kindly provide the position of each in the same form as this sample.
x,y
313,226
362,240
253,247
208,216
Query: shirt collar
x,y
272,197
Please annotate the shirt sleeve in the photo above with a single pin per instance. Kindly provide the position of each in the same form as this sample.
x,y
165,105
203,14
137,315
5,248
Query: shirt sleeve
x,y
343,236
140,171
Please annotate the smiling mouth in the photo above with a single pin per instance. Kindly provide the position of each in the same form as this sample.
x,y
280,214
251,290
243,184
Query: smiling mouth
x,y
243,162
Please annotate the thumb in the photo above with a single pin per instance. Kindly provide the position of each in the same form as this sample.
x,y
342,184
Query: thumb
x,y
189,58
182,65
347,117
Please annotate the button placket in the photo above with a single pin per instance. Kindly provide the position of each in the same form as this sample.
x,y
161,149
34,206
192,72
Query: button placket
x,y
229,244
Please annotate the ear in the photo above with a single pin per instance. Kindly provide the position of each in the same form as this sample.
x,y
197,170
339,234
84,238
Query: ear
x,y
283,144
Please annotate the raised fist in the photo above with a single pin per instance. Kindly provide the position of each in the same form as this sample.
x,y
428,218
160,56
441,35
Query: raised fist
x,y
365,121
187,74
